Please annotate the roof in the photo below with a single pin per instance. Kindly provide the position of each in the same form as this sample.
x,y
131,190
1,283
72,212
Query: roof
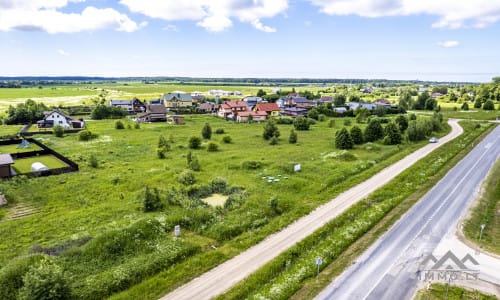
x,y
326,98
6,159
157,109
68,118
300,99
120,102
295,109
206,105
179,96
234,104
253,113
384,101
267,107
252,98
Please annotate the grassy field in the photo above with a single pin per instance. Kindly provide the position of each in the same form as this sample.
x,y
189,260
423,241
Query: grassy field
x,y
437,291
9,149
10,130
487,212
106,200
23,165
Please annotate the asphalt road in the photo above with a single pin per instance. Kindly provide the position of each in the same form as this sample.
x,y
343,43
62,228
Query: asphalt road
x,y
389,269
222,277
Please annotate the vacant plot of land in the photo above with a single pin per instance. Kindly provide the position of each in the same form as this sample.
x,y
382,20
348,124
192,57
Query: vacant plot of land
x,y
215,200
9,149
23,165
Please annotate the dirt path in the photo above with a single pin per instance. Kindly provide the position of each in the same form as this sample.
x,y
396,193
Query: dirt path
x,y
222,277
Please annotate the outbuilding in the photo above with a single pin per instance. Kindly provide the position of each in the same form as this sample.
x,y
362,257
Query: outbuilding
x,y
5,162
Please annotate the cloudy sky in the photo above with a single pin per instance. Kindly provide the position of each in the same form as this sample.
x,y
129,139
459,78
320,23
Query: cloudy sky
x,y
456,40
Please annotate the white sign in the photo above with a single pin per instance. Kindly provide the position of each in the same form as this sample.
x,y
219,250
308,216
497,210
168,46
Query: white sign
x,y
296,168
319,261
177,230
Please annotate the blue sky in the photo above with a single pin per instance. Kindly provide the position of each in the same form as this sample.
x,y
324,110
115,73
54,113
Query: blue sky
x,y
444,40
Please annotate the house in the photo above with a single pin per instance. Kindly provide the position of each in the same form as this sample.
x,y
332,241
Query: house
x,y
326,99
257,116
138,106
154,113
295,111
271,109
422,89
127,105
252,101
198,98
229,109
177,120
5,162
436,95
354,105
57,117
177,100
366,90
385,103
156,101
207,107
339,110
302,101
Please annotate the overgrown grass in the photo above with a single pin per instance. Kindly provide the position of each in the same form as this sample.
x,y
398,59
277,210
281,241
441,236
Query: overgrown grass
x,y
486,212
438,291
285,275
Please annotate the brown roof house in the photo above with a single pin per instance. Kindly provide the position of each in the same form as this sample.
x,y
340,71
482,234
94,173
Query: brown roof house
x,y
5,162
245,116
271,109
229,109
154,113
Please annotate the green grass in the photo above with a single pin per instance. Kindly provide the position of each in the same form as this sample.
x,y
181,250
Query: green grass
x,y
7,130
96,201
9,149
23,165
438,291
486,212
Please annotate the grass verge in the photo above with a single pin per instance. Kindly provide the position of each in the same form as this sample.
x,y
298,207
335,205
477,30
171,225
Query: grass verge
x,y
439,291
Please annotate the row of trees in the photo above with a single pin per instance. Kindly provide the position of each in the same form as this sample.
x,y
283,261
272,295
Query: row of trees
x,y
27,112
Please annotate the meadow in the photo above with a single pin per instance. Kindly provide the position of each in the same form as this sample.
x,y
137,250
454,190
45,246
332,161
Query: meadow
x,y
92,214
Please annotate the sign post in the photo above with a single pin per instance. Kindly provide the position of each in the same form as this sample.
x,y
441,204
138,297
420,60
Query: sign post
x,y
319,262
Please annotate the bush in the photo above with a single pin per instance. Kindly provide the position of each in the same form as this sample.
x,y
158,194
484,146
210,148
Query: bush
x,y
119,125
273,141
301,123
206,132
293,137
45,281
373,131
465,106
478,103
250,165
402,122
392,134
219,185
11,274
219,131
286,121
58,131
151,200
347,122
93,162
356,135
86,135
489,105
194,164
270,130
322,118
212,147
227,139
186,177
331,123
137,126
343,139
194,142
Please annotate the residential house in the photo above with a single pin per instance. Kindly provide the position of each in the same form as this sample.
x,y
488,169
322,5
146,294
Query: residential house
x,y
252,101
198,98
436,95
127,105
422,89
296,111
354,105
271,109
302,101
384,102
153,113
257,116
177,120
177,100
5,162
207,107
339,110
156,101
326,99
366,91
229,109
57,117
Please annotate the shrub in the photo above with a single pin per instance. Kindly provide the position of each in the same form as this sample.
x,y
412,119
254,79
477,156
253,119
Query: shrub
x,y
93,162
301,123
413,117
45,281
331,123
11,275
212,147
356,135
322,118
392,134
292,139
58,131
465,106
206,131
151,200
186,177
119,125
273,141
194,142
373,131
402,122
270,130
219,131
286,121
227,139
313,114
347,122
274,206
478,103
219,185
489,105
250,165
195,164
86,135
137,126
343,139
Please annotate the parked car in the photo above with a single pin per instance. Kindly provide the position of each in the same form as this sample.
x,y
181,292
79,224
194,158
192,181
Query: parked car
x,y
433,140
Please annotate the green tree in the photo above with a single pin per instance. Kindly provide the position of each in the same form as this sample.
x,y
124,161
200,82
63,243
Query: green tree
x,y
373,131
402,122
478,103
292,139
313,113
430,104
421,100
496,80
261,93
357,135
119,125
406,100
194,142
58,131
343,139
339,100
489,105
27,112
465,106
301,123
270,130
392,134
45,281
206,132
151,200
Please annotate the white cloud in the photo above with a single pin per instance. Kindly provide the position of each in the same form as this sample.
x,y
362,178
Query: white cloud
x,y
170,27
448,44
210,14
40,15
451,13
62,52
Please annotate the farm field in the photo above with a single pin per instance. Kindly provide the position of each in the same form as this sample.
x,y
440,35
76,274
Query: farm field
x,y
23,165
101,207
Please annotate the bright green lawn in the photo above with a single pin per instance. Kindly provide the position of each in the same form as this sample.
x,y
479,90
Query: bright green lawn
x,y
9,149
10,130
23,165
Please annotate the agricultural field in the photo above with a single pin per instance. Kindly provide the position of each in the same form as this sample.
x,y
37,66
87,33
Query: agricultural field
x,y
94,224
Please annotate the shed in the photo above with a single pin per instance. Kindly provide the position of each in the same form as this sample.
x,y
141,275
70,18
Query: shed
x,y
38,167
5,162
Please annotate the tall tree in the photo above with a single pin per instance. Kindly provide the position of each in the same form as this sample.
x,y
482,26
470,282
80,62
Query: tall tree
x,y
343,139
373,131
